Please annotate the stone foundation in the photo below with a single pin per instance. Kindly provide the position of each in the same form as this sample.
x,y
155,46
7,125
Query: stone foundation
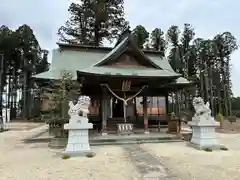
x,y
203,134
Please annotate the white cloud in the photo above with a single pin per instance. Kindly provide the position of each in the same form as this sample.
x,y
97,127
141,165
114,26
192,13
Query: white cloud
x,y
207,17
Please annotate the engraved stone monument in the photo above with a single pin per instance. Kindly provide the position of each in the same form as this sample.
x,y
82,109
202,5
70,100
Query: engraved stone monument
x,y
203,126
78,126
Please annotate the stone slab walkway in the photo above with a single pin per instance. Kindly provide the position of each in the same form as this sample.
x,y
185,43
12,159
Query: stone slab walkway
x,y
150,167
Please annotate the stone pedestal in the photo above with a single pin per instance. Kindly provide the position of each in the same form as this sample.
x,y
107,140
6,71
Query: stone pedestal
x,y
78,137
203,126
203,133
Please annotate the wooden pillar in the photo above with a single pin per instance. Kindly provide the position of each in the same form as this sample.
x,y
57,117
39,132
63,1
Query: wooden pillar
x,y
145,114
135,106
177,103
166,104
173,103
104,111
167,107
125,112
111,107
108,106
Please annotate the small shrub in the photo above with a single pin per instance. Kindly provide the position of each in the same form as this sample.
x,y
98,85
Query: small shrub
x,y
66,156
224,149
207,149
219,117
90,155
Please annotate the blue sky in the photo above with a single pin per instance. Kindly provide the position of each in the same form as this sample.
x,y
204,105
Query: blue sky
x,y
207,17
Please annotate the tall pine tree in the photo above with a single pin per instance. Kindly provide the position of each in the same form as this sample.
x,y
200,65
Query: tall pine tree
x,y
93,20
141,35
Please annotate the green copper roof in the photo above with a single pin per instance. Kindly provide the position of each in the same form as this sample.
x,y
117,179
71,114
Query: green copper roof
x,y
161,62
91,60
70,61
148,72
75,60
85,60
55,74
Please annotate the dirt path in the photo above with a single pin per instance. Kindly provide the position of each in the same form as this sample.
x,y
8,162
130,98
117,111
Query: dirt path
x,y
150,166
19,161
201,165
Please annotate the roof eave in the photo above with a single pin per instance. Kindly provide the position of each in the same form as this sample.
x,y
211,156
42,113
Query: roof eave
x,y
126,76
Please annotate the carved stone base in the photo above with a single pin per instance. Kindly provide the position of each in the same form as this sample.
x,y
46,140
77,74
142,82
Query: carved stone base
x,y
199,147
78,138
79,153
203,133
77,141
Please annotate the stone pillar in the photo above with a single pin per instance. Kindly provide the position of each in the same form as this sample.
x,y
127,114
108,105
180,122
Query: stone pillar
x,y
145,114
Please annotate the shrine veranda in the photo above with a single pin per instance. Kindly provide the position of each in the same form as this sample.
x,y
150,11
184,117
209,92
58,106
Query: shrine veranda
x,y
115,78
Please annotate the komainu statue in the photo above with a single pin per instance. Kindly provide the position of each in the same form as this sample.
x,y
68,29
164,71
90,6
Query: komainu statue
x,y
202,110
80,108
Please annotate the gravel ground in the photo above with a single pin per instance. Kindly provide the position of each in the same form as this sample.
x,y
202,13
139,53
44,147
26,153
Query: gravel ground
x,y
191,164
20,161
22,126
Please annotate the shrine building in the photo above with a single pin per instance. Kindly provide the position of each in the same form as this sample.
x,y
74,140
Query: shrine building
x,y
125,84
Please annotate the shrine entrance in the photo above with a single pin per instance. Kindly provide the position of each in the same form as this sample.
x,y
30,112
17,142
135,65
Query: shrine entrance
x,y
117,108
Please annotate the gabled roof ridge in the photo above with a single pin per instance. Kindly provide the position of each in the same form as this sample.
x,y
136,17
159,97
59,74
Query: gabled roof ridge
x,y
121,46
113,51
142,53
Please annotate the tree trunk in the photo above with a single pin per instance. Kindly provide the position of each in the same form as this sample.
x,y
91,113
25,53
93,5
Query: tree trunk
x,y
211,90
177,103
202,85
223,82
206,83
97,36
228,89
226,110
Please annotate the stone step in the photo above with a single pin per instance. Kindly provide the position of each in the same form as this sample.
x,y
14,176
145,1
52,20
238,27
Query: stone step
x,y
133,142
56,144
118,140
